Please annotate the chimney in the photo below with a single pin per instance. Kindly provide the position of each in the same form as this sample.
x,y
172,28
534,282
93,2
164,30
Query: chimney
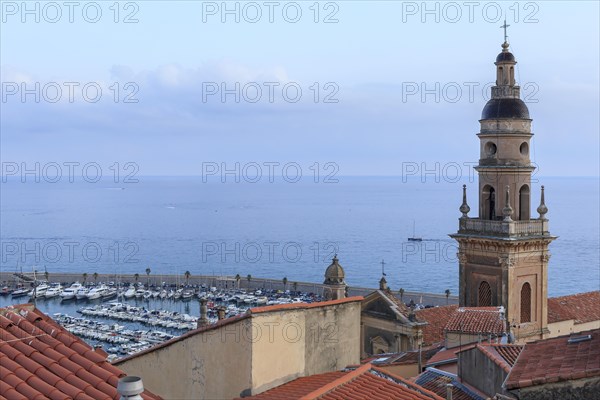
x,y
203,320
221,313
449,388
130,388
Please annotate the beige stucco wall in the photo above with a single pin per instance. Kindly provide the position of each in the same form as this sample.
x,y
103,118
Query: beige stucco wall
x,y
253,354
211,365
567,327
304,342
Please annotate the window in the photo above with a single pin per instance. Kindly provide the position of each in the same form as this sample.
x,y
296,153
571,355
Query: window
x,y
526,303
484,298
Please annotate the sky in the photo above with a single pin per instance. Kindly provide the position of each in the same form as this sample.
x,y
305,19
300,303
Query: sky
x,y
370,86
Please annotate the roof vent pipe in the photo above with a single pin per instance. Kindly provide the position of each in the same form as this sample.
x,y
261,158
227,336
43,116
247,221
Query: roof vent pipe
x,y
130,388
449,388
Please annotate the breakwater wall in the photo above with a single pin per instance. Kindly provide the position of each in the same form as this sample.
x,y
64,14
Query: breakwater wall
x,y
227,282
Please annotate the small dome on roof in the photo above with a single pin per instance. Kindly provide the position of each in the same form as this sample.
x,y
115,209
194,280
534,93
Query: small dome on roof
x,y
335,273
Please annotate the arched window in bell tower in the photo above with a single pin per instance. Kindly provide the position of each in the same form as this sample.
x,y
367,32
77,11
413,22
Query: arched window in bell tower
x,y
512,75
526,303
524,203
489,202
484,295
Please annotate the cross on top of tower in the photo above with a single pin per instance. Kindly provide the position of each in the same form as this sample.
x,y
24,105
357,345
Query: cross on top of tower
x,y
505,35
382,267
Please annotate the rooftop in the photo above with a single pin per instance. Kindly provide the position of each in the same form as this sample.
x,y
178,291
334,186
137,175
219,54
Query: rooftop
x,y
504,355
554,360
364,382
581,307
39,360
435,380
489,320
437,318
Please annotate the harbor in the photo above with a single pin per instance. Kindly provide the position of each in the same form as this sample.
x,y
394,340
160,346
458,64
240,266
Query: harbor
x,y
123,320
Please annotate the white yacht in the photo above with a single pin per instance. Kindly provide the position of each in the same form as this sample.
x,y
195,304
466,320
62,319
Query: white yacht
x,y
39,291
129,293
54,291
70,292
82,293
96,292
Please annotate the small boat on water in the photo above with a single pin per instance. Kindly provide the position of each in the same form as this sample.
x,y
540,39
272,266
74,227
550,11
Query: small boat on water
x,y
187,294
70,292
19,293
5,291
414,238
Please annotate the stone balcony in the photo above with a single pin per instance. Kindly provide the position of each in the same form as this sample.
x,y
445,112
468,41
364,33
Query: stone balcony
x,y
508,229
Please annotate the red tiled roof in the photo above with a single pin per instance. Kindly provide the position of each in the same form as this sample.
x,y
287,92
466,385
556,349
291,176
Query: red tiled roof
x,y
476,320
554,360
582,307
448,356
436,318
39,360
504,355
364,382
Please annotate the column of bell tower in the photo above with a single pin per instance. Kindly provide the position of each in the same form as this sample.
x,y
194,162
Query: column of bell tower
x,y
503,253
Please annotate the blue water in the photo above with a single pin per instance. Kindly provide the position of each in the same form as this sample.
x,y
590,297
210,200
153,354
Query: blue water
x,y
281,229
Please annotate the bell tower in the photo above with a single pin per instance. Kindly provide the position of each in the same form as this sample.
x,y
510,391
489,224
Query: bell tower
x,y
503,253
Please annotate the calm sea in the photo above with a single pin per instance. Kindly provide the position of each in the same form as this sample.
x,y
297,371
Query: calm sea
x,y
278,230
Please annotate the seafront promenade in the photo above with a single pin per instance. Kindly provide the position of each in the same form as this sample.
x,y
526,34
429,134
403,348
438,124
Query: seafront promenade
x,y
10,278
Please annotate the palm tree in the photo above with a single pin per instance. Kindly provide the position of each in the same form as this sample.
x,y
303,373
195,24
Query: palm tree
x,y
84,278
447,295
95,277
187,275
46,275
401,292
295,285
148,276
238,278
249,278
136,277
284,280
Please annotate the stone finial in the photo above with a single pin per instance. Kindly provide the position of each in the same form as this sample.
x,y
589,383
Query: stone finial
x,y
383,284
203,320
221,312
507,210
464,207
542,209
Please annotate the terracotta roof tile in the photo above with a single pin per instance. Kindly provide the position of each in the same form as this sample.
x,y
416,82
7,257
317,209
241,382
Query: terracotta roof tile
x,y
477,320
364,382
503,355
436,318
40,360
581,307
553,360
436,381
